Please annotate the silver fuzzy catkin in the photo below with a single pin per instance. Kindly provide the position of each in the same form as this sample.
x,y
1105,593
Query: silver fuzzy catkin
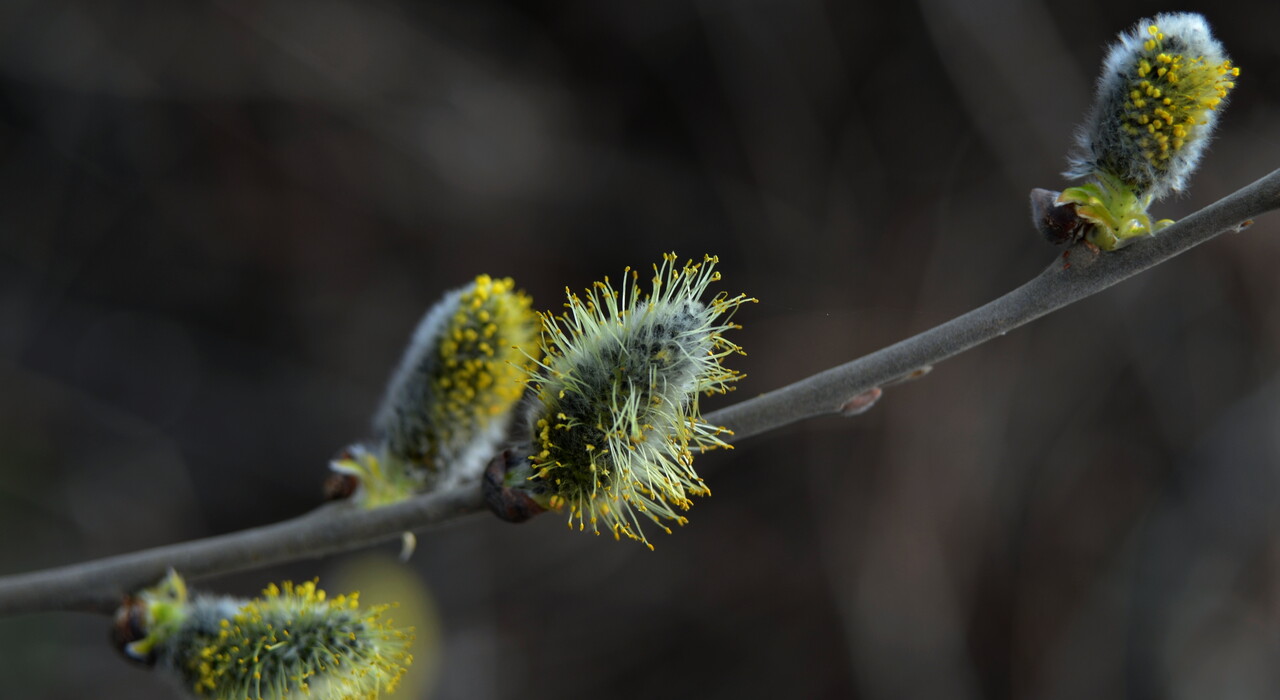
x,y
1156,105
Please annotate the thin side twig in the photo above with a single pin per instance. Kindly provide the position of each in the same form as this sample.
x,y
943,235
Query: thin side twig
x,y
97,586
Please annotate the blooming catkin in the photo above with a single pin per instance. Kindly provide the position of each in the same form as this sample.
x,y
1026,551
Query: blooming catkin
x,y
616,419
1157,101
291,643
451,400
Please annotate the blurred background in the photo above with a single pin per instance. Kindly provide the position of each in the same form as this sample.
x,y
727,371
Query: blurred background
x,y
220,222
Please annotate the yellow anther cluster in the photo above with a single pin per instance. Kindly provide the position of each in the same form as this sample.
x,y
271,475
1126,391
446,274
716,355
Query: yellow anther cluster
x,y
481,373
1170,94
450,402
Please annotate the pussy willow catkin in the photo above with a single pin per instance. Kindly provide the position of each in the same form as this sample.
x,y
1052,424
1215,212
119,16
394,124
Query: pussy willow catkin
x,y
1162,87
452,399
292,642
616,421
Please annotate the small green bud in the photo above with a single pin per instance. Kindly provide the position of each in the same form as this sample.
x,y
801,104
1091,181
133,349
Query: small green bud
x,y
148,620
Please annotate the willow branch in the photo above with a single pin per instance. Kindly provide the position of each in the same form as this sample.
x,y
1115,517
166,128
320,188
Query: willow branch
x,y
1089,272
97,586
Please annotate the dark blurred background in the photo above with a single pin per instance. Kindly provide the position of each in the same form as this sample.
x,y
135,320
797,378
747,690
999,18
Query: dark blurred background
x,y
220,222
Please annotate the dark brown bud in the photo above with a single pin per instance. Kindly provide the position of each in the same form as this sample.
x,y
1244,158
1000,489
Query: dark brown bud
x,y
340,486
1057,221
131,626
513,505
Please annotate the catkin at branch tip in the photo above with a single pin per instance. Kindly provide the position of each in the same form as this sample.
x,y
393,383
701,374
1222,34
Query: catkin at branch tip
x,y
292,642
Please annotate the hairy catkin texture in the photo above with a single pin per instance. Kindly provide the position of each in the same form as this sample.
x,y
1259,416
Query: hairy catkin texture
x,y
451,401
1157,103
460,376
617,419
293,642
